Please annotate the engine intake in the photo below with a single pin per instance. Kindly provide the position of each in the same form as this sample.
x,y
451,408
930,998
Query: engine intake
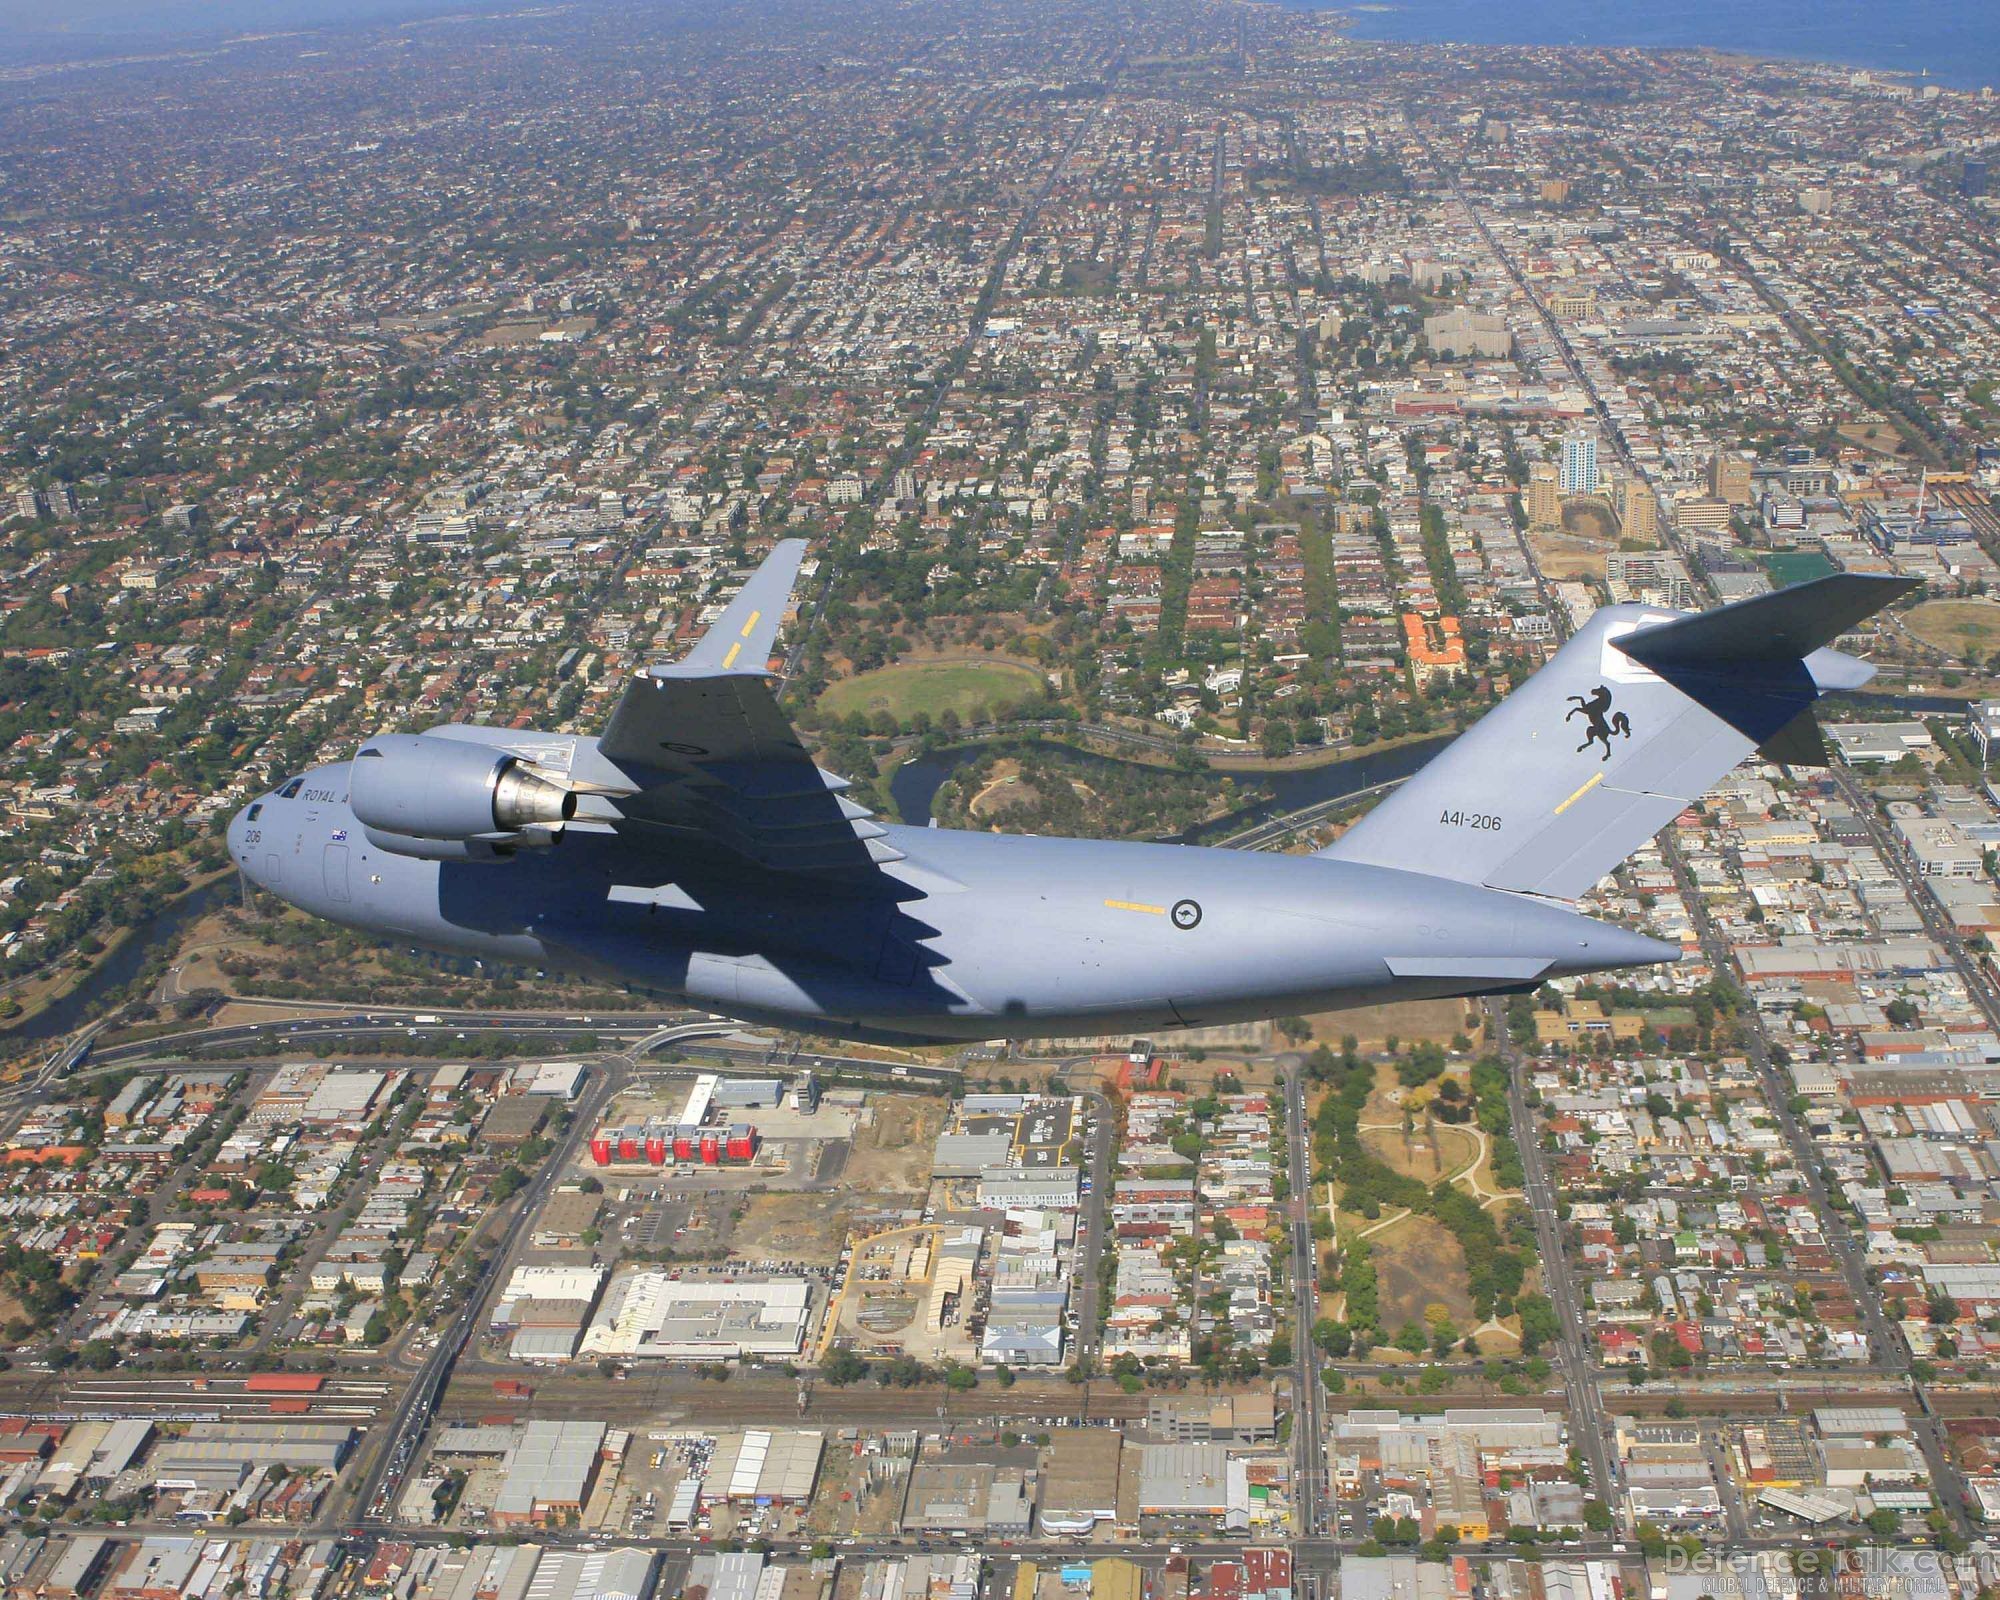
x,y
417,786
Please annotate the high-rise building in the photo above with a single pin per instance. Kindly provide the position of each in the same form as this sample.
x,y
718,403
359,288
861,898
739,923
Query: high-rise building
x,y
1972,181
1638,511
1729,478
1544,496
1579,464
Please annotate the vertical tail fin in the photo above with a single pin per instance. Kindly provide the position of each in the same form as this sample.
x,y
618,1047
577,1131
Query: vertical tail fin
x,y
1638,714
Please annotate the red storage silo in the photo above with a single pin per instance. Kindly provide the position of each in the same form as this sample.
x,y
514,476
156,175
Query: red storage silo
x,y
684,1144
742,1142
629,1144
711,1148
600,1147
656,1146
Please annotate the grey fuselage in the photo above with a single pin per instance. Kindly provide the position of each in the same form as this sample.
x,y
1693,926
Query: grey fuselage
x,y
986,935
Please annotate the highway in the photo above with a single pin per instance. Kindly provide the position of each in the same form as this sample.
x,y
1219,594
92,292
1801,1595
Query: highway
x,y
378,1491
728,1041
1276,830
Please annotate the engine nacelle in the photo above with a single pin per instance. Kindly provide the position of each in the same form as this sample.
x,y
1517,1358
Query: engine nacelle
x,y
408,844
416,787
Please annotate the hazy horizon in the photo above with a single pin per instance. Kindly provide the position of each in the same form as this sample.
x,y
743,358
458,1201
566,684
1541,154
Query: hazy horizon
x,y
28,29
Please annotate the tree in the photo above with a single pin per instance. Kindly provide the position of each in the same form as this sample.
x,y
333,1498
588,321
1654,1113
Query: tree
x,y
842,1368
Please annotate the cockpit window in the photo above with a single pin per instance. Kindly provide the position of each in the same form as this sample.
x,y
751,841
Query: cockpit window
x,y
375,753
291,790
255,812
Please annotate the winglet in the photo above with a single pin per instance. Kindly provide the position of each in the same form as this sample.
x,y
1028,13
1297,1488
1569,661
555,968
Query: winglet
x,y
740,640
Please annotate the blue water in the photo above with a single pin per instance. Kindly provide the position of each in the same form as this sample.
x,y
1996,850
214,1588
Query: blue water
x,y
1957,41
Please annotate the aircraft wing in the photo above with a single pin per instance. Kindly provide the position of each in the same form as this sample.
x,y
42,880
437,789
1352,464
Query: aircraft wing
x,y
716,762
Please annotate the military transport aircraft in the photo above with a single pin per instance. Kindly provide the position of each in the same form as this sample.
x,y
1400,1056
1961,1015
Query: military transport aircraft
x,y
694,847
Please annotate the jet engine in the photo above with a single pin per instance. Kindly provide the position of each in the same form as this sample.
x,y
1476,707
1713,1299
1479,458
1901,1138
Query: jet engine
x,y
451,799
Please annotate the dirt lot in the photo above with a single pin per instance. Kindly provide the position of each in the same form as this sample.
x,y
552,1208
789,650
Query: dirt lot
x,y
892,1155
1417,1264
1405,1020
1563,556
1590,519
1876,436
793,1227
1964,628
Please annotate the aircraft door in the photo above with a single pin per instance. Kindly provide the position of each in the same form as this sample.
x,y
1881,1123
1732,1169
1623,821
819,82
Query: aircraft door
x,y
336,874
274,871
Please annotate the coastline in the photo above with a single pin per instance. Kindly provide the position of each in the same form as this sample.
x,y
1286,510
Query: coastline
x,y
1940,60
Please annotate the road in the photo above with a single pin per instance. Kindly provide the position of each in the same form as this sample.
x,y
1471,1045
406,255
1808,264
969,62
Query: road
x,y
1275,830
1940,929
1308,1425
727,1041
1590,1427
1091,1223
1886,1347
378,1491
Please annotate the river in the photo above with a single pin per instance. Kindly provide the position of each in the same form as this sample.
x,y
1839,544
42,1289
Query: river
x,y
915,784
80,1005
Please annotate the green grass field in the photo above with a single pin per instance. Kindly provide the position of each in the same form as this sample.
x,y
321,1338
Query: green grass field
x,y
932,687
1798,566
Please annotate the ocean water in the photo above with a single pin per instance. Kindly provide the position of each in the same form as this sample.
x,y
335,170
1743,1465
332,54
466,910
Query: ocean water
x,y
1956,41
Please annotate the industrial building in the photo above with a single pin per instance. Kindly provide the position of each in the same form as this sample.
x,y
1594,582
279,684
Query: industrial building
x,y
527,1572
765,1466
1184,1480
692,1136
549,1472
546,1307
649,1313
220,1455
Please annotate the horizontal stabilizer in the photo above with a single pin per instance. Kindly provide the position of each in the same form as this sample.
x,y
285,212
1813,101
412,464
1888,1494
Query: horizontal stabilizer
x,y
1785,625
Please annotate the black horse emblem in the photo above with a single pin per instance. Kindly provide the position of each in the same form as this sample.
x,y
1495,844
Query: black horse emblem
x,y
1598,729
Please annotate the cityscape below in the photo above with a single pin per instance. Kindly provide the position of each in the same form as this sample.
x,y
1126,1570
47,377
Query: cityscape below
x,y
1196,414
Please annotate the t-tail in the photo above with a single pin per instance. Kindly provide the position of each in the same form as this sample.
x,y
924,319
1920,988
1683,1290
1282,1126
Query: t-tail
x,y
1634,718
